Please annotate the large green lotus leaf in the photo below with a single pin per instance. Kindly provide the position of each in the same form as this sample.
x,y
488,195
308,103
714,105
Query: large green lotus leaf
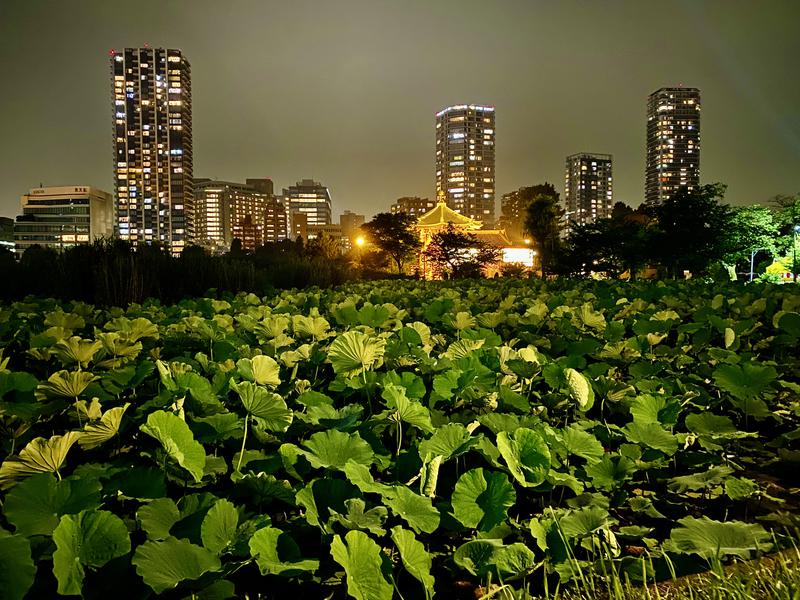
x,y
265,405
588,317
332,449
652,435
526,454
582,443
655,409
135,329
373,316
406,410
218,530
17,570
460,321
413,384
481,557
584,521
712,539
710,424
76,350
415,558
163,565
35,505
361,559
476,556
354,352
481,499
580,389
39,456
358,474
358,517
276,553
746,381
94,434
451,439
261,369
313,326
65,384
158,517
700,481
177,440
608,473
789,322
418,511
321,496
88,539
67,320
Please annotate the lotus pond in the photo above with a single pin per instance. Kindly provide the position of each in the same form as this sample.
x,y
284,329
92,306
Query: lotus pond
x,y
396,439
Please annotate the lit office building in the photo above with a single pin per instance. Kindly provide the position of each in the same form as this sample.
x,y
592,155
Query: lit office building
x,y
152,105
226,211
673,143
310,199
62,217
465,136
588,187
412,205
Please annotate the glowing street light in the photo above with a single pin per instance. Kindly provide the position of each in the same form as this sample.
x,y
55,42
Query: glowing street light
x,y
360,241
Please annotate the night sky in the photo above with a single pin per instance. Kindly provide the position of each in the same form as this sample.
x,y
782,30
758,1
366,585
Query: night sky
x,y
345,92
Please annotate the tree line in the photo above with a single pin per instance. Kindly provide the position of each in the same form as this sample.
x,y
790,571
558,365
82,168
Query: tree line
x,y
693,231
112,272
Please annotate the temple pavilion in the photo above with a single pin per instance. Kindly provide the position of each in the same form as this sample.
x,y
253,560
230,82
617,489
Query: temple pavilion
x,y
440,216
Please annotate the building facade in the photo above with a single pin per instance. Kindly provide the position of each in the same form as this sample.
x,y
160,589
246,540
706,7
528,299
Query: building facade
x,y
673,143
465,175
62,217
412,205
310,199
245,211
152,108
588,187
6,233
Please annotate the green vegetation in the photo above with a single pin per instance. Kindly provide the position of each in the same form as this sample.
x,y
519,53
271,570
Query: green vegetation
x,y
467,439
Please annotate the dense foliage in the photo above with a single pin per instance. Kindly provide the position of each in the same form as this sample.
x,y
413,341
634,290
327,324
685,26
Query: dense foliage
x,y
692,231
110,272
395,438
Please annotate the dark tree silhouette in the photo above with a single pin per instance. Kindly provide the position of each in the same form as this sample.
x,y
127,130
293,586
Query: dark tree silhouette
x,y
394,235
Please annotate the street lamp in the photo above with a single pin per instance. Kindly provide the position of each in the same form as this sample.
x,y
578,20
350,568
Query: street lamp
x,y
360,241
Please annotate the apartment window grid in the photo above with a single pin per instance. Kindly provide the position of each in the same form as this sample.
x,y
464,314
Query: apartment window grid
x,y
153,147
465,160
673,142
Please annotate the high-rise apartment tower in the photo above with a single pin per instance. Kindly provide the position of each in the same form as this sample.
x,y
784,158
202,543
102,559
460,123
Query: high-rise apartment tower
x,y
152,105
588,187
465,137
673,142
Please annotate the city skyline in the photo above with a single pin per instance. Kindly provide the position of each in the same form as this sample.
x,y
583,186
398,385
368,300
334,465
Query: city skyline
x,y
751,133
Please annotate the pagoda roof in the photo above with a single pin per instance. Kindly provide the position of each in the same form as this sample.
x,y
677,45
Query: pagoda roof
x,y
493,237
441,214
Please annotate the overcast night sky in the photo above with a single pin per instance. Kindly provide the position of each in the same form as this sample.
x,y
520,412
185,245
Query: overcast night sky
x,y
346,91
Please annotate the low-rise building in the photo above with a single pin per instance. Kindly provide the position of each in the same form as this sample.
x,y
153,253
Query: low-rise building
x,y
62,217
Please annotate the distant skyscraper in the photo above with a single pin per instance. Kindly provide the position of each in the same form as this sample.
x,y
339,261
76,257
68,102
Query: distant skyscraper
x,y
414,206
152,99
465,137
64,216
588,187
673,142
226,211
309,198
